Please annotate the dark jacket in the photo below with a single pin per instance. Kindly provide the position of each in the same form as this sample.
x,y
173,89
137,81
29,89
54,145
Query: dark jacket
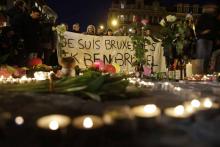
x,y
31,35
206,22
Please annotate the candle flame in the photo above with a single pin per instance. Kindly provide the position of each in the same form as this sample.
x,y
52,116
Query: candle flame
x,y
151,108
177,88
53,125
195,103
40,76
87,123
179,110
19,120
24,78
207,103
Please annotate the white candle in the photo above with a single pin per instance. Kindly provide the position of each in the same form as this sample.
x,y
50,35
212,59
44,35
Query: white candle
x,y
88,122
195,103
202,104
207,103
23,79
40,75
53,122
189,70
147,111
19,120
178,112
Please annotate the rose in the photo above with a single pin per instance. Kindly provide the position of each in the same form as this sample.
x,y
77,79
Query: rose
x,y
145,21
4,72
110,69
171,18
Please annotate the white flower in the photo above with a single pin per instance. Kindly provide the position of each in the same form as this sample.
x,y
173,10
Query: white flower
x,y
162,22
54,28
60,29
171,18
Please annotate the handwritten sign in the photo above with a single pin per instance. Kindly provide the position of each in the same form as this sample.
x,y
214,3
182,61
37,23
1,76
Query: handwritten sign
x,y
86,49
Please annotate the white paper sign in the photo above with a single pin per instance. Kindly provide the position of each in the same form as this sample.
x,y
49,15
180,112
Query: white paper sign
x,y
86,49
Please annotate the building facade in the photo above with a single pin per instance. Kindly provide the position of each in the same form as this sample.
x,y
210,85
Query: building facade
x,y
124,10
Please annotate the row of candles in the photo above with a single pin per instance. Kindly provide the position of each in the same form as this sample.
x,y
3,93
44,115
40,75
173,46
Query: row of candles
x,y
38,76
150,111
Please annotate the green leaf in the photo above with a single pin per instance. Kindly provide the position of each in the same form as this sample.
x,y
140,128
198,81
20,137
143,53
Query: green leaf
x,y
74,89
96,84
93,96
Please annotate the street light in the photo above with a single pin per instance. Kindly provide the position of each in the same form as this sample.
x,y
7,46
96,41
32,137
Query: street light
x,y
114,22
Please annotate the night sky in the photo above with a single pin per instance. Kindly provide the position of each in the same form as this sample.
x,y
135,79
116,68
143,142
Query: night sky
x,y
83,11
91,11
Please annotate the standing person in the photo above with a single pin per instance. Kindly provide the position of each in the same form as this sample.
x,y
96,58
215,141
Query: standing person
x,y
47,42
215,60
7,45
17,15
32,34
100,31
90,30
122,31
190,37
109,32
76,28
17,18
205,30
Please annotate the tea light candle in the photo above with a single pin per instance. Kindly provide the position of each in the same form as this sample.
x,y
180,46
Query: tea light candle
x,y
40,75
1,79
178,112
88,122
147,111
19,120
205,78
53,122
195,103
23,79
207,103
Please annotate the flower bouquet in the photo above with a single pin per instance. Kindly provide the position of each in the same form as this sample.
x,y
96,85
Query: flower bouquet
x,y
172,35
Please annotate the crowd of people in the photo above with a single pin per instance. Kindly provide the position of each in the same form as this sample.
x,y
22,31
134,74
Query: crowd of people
x,y
29,35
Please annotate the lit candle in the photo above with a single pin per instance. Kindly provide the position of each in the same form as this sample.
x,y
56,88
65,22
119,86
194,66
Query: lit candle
x,y
205,78
19,120
53,122
146,111
1,79
88,122
23,79
189,70
207,103
40,75
177,89
178,112
195,103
